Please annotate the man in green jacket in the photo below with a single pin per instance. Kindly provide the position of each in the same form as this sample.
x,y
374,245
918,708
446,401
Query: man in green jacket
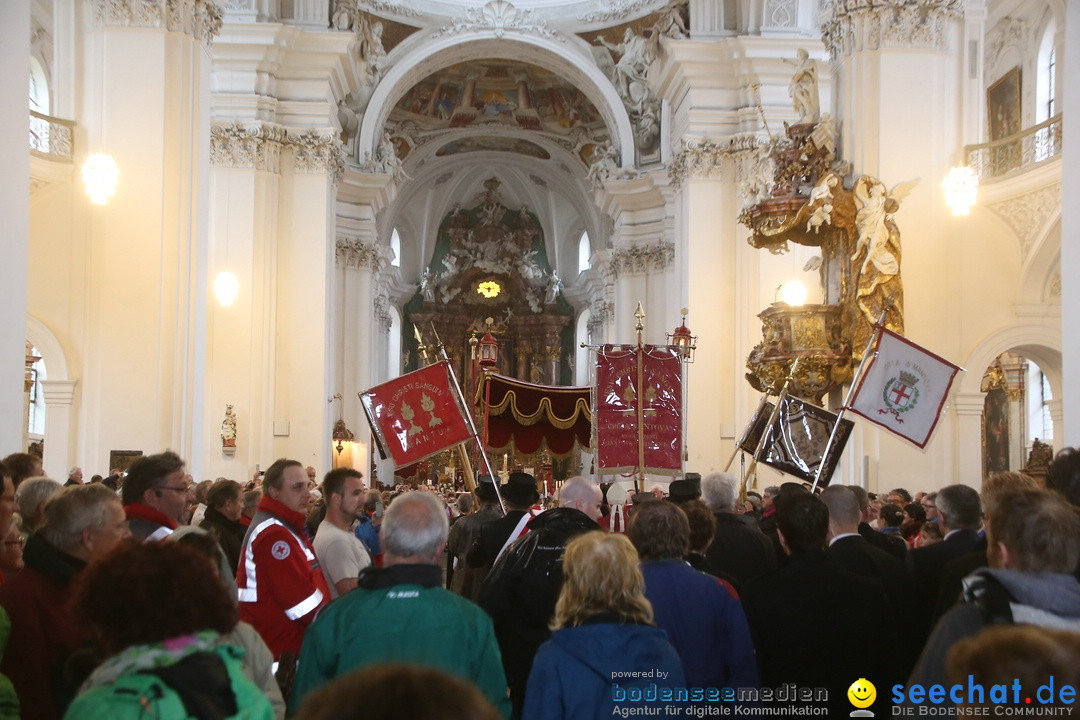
x,y
400,613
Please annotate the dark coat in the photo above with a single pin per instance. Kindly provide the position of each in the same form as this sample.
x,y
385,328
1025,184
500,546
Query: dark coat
x,y
490,539
856,554
926,565
809,620
228,533
892,544
739,550
521,591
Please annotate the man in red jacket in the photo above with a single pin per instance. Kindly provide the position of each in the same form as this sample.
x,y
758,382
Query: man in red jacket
x,y
281,585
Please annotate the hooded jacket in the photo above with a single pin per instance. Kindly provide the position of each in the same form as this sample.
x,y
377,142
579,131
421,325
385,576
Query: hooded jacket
x,y
521,591
580,673
1045,599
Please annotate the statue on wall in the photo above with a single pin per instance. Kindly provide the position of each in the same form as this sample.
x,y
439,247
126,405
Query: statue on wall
x,y
878,244
369,49
631,68
228,429
803,89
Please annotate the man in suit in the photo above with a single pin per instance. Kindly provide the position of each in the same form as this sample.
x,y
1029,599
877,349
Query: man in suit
x,y
519,494
961,517
853,552
801,616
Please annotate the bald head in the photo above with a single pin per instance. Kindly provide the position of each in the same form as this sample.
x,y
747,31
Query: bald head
x,y
581,494
844,512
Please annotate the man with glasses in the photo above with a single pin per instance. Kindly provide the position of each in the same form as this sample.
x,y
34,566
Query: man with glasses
x,y
929,503
156,496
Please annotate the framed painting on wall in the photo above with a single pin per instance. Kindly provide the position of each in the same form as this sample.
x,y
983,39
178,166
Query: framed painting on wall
x,y
1003,105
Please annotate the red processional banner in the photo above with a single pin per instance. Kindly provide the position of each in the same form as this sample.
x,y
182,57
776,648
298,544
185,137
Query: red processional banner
x,y
416,415
638,409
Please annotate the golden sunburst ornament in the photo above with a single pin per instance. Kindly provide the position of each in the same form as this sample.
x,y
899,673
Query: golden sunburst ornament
x,y
489,289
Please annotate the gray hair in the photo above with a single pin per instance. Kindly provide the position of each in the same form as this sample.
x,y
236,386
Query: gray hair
x,y
960,507
578,488
73,510
30,495
719,491
465,503
415,525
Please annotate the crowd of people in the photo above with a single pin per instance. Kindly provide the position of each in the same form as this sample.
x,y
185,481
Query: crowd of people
x,y
144,594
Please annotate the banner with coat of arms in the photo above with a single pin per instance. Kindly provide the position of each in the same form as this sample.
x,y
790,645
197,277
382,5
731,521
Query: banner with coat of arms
x,y
638,409
416,415
904,388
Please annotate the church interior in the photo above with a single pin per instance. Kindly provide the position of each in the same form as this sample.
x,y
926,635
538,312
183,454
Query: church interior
x,y
301,198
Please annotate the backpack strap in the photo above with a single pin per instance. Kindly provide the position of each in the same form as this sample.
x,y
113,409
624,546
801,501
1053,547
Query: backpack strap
x,y
993,600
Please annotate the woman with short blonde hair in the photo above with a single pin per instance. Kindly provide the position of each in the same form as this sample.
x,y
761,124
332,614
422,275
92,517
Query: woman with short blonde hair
x,y
605,653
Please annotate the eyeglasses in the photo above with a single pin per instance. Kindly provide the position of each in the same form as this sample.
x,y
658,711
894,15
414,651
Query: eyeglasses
x,y
182,488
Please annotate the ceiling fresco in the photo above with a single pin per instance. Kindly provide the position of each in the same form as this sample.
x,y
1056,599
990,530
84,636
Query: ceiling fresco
x,y
497,97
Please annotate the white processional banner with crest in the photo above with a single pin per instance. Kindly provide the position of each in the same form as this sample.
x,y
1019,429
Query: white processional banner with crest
x,y
904,388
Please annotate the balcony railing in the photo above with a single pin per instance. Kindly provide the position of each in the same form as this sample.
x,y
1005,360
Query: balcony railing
x,y
50,137
1016,152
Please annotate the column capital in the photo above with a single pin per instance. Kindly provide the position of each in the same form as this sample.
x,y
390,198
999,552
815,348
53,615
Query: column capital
x,y
969,403
357,254
643,258
58,392
199,18
851,26
254,145
317,151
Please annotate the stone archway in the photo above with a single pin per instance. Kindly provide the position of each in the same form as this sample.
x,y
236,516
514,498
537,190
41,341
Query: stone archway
x,y
59,391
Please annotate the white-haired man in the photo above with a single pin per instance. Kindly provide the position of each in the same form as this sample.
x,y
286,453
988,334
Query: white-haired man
x,y
738,550
401,613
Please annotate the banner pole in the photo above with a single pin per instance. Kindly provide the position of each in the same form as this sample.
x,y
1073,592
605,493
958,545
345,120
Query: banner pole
x,y
768,427
469,420
640,315
760,407
878,327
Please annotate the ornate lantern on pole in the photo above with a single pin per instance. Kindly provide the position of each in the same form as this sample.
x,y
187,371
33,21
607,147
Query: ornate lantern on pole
x,y
683,340
489,349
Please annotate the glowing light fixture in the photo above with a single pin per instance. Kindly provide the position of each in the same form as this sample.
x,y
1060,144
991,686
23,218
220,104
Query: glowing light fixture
x,y
793,293
100,176
226,287
961,187
489,289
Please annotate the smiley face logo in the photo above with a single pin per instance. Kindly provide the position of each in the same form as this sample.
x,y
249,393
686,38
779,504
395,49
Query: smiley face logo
x,y
862,693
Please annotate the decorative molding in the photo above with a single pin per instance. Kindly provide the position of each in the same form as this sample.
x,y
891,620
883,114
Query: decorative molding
x,y
781,14
1027,214
1008,32
199,18
391,8
1054,288
357,254
58,392
618,11
247,146
317,151
644,258
851,26
502,17
381,305
699,159
601,313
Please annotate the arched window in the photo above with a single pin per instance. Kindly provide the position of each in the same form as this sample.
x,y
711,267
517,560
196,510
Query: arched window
x,y
584,252
39,87
1046,78
35,415
395,245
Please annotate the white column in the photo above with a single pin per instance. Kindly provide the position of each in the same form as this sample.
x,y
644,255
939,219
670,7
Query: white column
x,y
706,261
969,409
1069,433
58,399
15,199
147,84
241,346
305,248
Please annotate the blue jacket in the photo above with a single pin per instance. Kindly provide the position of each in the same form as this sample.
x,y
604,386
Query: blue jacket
x,y
704,621
571,676
368,533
